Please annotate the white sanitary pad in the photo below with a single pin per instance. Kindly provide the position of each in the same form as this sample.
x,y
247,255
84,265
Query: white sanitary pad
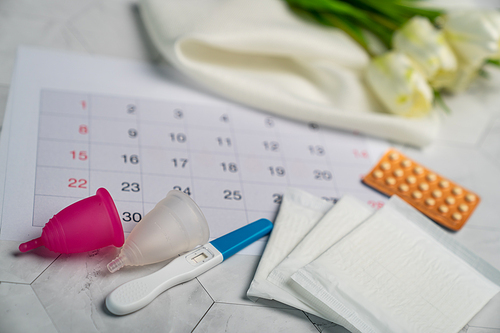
x,y
398,272
347,213
298,213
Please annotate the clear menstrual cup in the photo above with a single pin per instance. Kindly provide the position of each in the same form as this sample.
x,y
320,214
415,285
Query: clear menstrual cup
x,y
174,226
86,225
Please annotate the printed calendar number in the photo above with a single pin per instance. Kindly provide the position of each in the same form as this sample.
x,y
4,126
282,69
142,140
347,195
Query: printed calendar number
x,y
186,190
269,122
271,146
229,167
130,187
322,175
224,142
178,114
360,153
83,129
232,195
313,126
224,118
317,150
376,204
80,155
128,217
77,183
132,133
178,137
131,109
132,159
330,199
181,162
277,171
277,198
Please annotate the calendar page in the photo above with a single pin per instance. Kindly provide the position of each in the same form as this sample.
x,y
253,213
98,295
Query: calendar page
x,y
78,123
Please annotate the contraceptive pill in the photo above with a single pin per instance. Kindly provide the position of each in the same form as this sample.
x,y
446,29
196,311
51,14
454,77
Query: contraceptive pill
x,y
441,199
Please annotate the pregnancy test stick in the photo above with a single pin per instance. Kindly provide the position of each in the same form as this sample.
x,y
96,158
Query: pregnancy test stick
x,y
138,293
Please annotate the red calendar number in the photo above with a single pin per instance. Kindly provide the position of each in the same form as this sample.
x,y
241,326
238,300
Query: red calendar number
x,y
83,129
358,153
80,183
82,155
376,204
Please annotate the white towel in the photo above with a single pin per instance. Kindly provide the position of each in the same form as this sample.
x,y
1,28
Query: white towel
x,y
259,53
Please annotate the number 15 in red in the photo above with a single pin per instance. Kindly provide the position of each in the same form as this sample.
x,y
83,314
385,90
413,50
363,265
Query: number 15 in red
x,y
81,155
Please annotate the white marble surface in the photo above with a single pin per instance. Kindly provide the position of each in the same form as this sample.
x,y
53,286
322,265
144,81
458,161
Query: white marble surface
x,y
44,292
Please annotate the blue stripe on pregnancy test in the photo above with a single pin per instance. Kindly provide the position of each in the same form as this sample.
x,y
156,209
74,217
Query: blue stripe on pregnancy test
x,y
236,240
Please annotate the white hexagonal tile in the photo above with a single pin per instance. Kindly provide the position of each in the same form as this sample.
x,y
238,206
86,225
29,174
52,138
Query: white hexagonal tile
x,y
242,318
74,288
4,92
489,316
23,267
114,28
229,281
33,31
21,311
490,144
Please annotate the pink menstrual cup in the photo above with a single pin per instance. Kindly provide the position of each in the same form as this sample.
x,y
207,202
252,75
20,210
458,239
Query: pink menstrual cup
x,y
86,225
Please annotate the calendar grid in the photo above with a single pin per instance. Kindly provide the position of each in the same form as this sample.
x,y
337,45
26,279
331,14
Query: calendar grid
x,y
236,156
234,162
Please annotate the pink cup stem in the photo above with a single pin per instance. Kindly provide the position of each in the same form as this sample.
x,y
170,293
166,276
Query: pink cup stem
x,y
32,244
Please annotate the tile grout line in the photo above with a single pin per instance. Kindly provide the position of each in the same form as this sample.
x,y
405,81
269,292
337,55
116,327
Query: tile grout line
x,y
206,312
53,261
213,300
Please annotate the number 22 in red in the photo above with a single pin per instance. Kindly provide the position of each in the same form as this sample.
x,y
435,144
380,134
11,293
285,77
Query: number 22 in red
x,y
80,183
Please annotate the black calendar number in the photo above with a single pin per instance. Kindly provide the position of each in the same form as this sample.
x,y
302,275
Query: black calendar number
x,y
186,190
277,198
269,122
330,199
224,142
178,114
322,175
132,159
132,133
313,126
230,167
131,109
271,146
181,162
277,171
128,216
178,137
130,187
232,195
224,118
316,150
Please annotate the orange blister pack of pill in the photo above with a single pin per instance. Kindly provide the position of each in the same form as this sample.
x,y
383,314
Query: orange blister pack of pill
x,y
440,199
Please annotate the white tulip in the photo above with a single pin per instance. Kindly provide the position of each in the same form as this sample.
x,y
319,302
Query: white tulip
x,y
427,47
399,85
465,74
474,35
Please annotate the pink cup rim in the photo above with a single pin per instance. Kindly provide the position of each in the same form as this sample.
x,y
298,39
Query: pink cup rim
x,y
109,204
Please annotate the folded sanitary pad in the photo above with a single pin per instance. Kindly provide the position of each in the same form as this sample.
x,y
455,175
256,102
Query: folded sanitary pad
x,y
347,213
398,272
298,213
